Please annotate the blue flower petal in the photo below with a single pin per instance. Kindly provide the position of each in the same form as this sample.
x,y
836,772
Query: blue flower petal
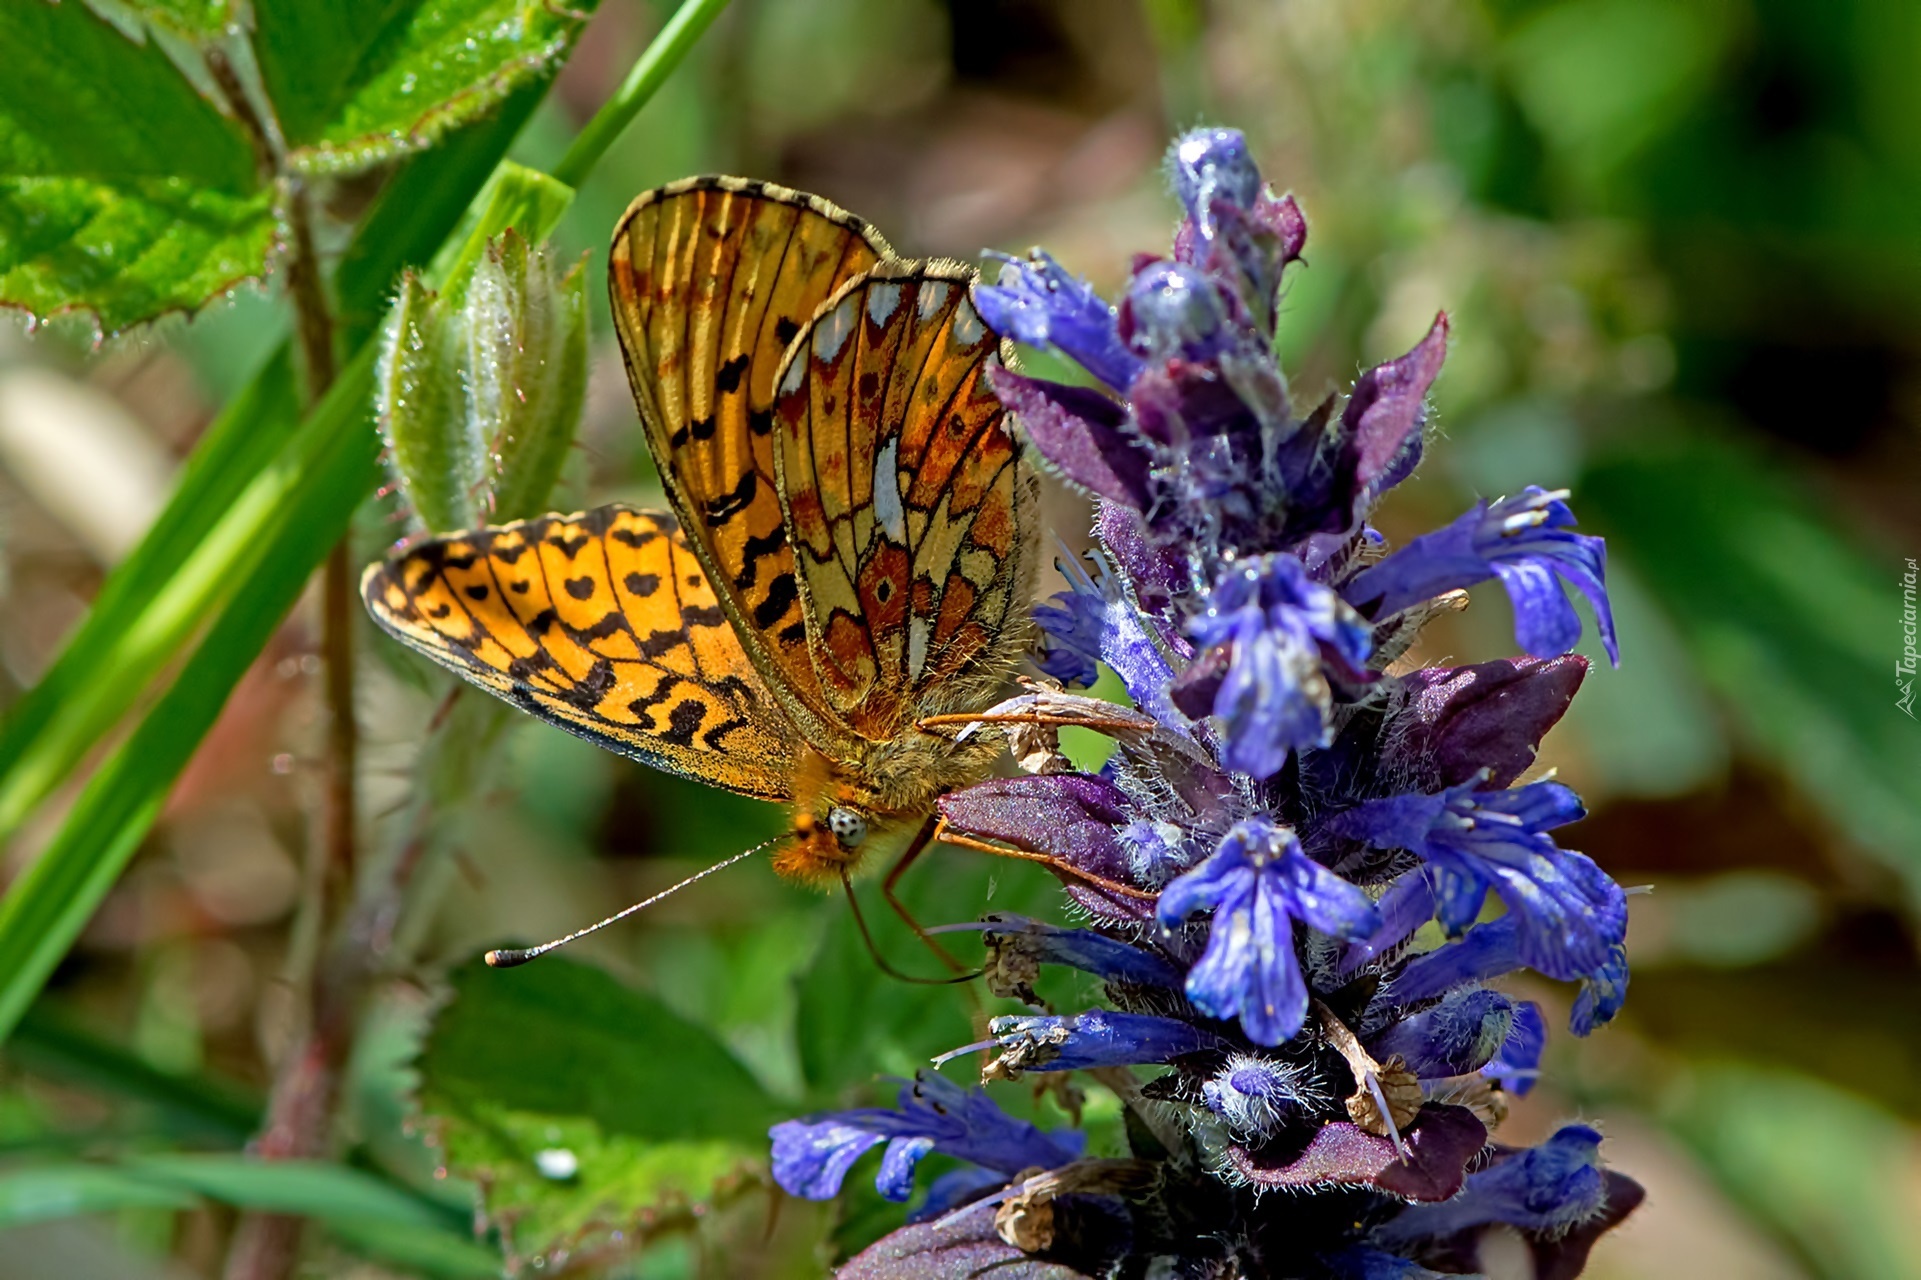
x,y
1039,303
812,1160
896,1178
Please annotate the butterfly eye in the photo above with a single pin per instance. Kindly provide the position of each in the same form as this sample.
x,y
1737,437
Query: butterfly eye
x,y
848,827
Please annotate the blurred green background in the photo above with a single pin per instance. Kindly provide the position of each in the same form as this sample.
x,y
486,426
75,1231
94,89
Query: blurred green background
x,y
1679,242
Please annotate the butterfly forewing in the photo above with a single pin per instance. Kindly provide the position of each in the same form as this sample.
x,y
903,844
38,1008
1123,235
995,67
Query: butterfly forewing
x,y
711,279
906,498
603,623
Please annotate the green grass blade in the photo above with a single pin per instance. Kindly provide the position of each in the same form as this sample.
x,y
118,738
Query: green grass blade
x,y
316,1189
667,51
368,1214
38,1193
50,1044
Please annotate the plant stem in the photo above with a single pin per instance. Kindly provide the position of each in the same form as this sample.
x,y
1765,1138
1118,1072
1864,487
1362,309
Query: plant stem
x,y
266,1246
665,53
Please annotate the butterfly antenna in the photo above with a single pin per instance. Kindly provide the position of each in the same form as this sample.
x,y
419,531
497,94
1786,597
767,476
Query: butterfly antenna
x,y
508,957
874,951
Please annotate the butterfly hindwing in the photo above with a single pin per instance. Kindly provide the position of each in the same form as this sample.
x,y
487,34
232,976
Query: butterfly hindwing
x,y
603,623
711,279
907,500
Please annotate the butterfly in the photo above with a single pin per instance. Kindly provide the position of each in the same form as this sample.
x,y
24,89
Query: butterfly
x,y
851,547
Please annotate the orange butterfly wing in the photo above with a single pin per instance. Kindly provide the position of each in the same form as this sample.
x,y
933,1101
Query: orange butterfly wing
x,y
711,279
602,623
912,513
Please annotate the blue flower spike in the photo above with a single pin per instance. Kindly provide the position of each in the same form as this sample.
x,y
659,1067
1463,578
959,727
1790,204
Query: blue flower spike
x,y
1301,878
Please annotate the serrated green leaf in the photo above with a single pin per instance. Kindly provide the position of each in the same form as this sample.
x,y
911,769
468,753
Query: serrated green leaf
x,y
584,1107
617,1190
82,100
355,85
123,192
582,1043
127,251
197,20
1788,622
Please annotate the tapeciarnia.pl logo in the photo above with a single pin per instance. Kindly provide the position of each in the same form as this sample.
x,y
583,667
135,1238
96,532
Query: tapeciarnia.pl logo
x,y
1904,666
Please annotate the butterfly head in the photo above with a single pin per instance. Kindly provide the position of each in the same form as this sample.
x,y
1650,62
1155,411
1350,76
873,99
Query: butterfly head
x,y
825,844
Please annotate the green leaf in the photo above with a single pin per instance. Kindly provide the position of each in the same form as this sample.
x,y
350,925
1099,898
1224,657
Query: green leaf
x,y
126,250
123,192
583,1107
82,100
1789,623
355,85
1822,1171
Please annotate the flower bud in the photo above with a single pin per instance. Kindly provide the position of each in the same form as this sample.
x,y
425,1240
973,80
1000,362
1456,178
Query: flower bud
x,y
438,456
526,332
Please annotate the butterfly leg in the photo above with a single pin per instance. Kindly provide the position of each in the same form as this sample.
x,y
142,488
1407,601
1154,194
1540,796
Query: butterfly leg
x,y
926,836
1065,870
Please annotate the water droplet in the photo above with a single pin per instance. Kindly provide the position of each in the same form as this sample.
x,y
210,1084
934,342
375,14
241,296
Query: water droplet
x,y
557,1164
